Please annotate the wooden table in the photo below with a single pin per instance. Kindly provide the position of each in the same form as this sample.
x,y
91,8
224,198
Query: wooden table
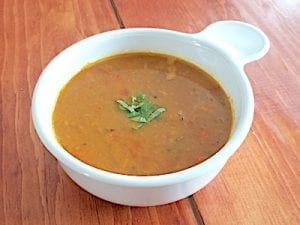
x,y
259,185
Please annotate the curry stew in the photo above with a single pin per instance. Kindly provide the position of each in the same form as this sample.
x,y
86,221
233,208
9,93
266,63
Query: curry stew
x,y
93,127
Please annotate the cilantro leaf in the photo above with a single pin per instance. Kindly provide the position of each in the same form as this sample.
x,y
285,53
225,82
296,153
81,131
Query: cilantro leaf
x,y
156,113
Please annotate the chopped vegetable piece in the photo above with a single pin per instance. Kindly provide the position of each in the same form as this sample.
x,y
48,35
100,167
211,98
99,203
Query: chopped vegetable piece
x,y
155,114
125,106
133,114
139,119
138,126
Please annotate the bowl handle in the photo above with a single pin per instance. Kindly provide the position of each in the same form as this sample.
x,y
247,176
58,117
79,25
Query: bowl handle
x,y
243,41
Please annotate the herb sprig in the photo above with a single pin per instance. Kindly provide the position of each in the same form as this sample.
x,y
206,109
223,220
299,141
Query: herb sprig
x,y
141,110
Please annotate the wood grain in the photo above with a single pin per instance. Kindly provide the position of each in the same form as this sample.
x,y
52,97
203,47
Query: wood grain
x,y
259,185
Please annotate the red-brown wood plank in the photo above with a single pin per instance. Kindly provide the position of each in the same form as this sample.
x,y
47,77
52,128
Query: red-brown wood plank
x,y
260,184
33,188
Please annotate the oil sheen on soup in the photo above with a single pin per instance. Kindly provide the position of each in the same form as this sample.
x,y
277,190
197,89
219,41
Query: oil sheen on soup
x,y
91,125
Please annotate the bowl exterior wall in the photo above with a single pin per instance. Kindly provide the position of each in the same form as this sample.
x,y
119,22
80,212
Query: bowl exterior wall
x,y
141,196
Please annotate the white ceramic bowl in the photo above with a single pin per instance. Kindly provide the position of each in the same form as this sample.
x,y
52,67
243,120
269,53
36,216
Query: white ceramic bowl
x,y
221,49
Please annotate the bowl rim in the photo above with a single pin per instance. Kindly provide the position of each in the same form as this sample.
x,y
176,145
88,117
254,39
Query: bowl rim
x,y
219,158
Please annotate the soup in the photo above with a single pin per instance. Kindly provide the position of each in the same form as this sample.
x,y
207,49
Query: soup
x,y
142,114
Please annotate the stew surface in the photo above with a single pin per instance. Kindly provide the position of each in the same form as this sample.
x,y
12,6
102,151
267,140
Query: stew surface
x,y
89,123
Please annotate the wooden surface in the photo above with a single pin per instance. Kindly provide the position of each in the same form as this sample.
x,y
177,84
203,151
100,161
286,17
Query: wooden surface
x,y
259,185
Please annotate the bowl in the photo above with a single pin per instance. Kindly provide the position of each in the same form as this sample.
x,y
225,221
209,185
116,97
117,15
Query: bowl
x,y
222,49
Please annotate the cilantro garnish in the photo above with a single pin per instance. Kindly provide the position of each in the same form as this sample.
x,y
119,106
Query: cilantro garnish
x,y
140,110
